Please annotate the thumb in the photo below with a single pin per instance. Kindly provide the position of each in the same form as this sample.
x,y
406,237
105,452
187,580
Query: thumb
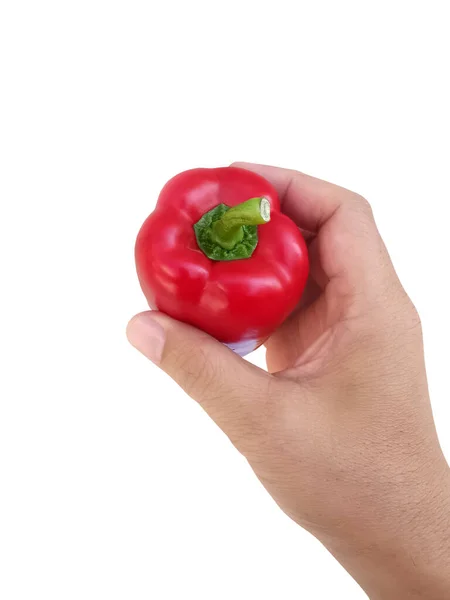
x,y
231,390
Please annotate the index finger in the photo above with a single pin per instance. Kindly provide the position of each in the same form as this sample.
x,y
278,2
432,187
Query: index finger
x,y
308,201
347,245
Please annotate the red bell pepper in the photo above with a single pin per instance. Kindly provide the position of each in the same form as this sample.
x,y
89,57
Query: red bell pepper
x,y
218,254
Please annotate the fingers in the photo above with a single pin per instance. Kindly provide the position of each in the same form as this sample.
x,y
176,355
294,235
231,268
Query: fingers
x,y
231,390
349,264
347,245
308,201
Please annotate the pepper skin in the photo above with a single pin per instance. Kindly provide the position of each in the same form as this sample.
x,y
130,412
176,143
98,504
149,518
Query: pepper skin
x,y
239,301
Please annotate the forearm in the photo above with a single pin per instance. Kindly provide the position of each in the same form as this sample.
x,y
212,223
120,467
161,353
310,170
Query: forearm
x,y
407,562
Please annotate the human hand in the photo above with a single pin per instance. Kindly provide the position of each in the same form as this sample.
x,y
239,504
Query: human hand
x,y
340,431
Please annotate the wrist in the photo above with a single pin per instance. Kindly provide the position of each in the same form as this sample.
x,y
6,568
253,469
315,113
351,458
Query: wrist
x,y
410,558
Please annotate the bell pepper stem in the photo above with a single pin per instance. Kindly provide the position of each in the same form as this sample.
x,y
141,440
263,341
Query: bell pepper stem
x,y
228,230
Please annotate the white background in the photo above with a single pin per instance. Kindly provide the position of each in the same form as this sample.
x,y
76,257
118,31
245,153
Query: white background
x,y
113,484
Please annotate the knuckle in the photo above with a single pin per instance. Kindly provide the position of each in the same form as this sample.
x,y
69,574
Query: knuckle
x,y
401,326
362,205
411,317
405,313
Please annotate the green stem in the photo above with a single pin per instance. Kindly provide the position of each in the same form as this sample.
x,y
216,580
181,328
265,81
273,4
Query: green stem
x,y
228,231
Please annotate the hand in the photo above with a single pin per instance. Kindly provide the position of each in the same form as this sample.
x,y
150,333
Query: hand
x,y
340,431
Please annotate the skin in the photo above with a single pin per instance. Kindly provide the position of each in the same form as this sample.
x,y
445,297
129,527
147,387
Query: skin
x,y
340,429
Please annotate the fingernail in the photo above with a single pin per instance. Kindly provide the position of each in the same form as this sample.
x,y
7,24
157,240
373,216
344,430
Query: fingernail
x,y
147,336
